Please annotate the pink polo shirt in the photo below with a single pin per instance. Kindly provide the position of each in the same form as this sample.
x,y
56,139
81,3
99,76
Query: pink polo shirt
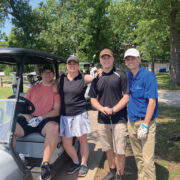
x,y
43,98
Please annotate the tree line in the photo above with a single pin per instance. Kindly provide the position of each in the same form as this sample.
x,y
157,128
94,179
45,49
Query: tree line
x,y
83,28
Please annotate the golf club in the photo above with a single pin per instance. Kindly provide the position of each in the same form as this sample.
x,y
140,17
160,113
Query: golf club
x,y
113,138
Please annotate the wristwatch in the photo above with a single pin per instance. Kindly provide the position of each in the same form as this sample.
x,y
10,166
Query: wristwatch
x,y
112,111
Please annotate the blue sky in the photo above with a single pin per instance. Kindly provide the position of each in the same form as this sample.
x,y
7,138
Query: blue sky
x,y
7,27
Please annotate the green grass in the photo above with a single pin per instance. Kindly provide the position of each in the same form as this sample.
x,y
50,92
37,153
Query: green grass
x,y
5,92
164,82
167,150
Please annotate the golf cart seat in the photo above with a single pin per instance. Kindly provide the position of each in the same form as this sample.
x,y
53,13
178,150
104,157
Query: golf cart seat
x,y
31,145
34,137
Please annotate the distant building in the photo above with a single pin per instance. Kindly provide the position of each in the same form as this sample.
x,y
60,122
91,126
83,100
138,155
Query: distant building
x,y
159,67
2,73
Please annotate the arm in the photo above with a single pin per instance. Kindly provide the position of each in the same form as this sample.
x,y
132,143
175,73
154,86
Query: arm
x,y
88,78
54,112
150,111
121,104
105,110
56,85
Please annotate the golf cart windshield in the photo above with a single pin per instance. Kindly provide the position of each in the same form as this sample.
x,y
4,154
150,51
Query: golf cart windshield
x,y
7,109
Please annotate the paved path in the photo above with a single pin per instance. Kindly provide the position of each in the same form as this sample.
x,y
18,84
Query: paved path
x,y
95,155
169,98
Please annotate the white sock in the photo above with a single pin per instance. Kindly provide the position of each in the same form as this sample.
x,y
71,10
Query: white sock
x,y
76,162
85,164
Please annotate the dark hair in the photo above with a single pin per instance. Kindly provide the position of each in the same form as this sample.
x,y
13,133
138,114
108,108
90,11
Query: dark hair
x,y
47,67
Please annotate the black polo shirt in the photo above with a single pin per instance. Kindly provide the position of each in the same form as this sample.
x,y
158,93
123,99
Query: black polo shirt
x,y
109,89
72,95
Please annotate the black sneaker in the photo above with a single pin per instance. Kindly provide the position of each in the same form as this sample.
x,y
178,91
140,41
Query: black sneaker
x,y
73,168
83,171
45,171
110,176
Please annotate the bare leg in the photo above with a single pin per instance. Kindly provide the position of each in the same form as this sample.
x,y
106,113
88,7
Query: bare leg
x,y
18,132
51,133
84,147
69,148
120,163
111,158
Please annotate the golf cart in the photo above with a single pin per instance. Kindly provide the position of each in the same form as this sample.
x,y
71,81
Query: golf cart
x,y
24,162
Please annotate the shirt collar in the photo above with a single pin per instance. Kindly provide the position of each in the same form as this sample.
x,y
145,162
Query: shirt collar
x,y
138,75
77,77
111,72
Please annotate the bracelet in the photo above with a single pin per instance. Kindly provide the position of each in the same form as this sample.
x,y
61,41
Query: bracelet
x,y
145,126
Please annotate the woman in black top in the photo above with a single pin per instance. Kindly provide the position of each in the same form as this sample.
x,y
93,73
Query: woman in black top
x,y
74,121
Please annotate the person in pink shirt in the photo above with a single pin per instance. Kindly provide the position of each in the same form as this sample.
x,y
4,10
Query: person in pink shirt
x,y
45,118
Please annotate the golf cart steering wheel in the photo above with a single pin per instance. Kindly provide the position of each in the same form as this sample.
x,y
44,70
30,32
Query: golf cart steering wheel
x,y
24,105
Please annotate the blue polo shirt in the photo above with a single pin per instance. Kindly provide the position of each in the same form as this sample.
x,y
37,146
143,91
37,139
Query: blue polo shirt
x,y
142,87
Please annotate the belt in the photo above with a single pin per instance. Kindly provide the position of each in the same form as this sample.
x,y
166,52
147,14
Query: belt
x,y
142,118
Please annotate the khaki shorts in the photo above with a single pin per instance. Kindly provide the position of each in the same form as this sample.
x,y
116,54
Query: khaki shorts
x,y
118,143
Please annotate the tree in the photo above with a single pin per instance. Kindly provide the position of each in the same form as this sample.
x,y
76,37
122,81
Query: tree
x,y
95,33
59,36
123,24
27,23
167,12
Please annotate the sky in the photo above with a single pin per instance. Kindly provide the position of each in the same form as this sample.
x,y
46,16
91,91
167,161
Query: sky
x,y
7,26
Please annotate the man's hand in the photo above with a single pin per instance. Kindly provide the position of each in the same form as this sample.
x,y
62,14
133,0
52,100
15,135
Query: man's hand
x,y
106,110
142,131
34,122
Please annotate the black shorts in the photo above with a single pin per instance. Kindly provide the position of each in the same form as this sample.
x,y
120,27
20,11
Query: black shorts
x,y
28,129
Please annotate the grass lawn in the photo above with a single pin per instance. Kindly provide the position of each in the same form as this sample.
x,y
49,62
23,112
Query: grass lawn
x,y
164,82
7,91
168,142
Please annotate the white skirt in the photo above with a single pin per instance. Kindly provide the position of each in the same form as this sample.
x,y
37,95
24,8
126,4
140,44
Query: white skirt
x,y
78,125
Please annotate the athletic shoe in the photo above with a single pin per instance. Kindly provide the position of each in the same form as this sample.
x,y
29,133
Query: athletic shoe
x,y
73,168
83,171
110,176
45,171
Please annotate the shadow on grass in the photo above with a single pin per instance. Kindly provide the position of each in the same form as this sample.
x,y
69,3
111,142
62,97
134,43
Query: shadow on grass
x,y
168,130
131,169
161,172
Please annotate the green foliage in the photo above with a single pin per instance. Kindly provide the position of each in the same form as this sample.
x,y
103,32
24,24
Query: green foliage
x,y
95,34
6,69
83,28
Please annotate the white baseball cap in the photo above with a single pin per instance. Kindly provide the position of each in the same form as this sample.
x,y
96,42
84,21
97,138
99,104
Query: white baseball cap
x,y
132,52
